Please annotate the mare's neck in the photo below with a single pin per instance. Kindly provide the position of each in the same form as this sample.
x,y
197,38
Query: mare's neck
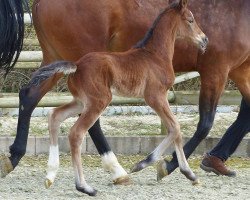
x,y
162,40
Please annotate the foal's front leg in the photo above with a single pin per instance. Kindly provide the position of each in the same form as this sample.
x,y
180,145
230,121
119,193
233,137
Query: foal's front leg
x,y
55,118
161,106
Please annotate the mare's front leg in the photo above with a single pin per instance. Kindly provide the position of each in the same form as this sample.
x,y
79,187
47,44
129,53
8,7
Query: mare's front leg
x,y
211,89
228,143
235,133
29,97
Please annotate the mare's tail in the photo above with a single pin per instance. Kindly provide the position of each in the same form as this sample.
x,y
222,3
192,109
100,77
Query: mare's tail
x,y
45,72
11,32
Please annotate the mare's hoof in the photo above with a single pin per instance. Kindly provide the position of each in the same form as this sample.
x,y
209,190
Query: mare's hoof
x,y
5,166
162,169
216,165
125,180
48,183
89,191
138,167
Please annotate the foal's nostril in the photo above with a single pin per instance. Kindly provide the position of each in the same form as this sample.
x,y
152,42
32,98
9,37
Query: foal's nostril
x,y
205,40
203,43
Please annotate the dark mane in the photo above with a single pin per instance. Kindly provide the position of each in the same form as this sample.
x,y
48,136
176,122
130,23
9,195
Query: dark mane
x,y
150,32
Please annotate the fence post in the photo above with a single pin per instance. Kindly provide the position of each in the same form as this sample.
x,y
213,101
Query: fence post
x,y
163,129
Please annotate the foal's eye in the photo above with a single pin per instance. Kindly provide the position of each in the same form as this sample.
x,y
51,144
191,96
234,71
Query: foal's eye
x,y
190,21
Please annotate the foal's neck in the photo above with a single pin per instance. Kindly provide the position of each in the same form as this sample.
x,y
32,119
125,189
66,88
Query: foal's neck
x,y
162,40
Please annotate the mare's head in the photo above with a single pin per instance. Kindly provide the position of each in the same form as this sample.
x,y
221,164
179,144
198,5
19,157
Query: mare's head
x,y
188,28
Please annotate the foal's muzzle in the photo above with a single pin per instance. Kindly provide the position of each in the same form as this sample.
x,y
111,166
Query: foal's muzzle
x,y
203,43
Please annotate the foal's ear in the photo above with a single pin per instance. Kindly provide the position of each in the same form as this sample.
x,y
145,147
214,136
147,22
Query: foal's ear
x,y
183,3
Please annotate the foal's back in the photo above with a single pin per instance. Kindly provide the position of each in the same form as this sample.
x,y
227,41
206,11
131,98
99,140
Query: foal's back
x,y
126,73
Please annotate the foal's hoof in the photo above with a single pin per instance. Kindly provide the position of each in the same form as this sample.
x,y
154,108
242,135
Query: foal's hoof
x,y
191,176
125,180
88,191
196,182
5,166
138,167
48,183
162,169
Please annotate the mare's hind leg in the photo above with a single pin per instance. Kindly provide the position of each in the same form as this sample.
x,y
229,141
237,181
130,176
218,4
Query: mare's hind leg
x,y
161,106
29,96
56,117
109,160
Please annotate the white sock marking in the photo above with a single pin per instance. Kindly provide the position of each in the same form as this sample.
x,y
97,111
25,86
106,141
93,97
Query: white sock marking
x,y
110,163
53,163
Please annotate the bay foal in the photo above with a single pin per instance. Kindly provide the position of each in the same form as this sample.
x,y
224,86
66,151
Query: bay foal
x,y
143,71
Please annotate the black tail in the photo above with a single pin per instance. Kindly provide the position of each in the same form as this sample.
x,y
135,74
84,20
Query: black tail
x,y
43,73
11,32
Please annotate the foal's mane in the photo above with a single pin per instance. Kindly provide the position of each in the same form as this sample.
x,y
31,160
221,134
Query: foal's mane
x,y
150,32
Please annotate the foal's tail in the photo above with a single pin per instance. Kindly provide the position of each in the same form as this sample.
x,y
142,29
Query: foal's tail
x,y
45,72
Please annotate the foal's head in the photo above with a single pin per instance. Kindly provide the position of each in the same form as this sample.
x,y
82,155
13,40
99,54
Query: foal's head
x,y
188,28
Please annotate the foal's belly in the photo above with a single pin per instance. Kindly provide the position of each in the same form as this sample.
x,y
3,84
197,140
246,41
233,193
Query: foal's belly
x,y
128,90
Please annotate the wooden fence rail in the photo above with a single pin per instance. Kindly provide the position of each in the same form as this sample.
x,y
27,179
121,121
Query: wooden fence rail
x,y
11,100
27,19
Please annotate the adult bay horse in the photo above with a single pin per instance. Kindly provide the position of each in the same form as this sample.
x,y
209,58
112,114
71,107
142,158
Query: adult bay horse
x,y
144,71
69,29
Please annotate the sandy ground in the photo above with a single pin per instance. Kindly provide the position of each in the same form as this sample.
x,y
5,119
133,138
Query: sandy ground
x,y
26,182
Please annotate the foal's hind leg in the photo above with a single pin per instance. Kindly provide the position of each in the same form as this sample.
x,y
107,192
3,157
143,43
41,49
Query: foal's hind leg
x,y
161,106
91,113
56,117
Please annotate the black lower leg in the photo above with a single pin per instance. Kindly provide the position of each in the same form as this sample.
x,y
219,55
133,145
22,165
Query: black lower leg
x,y
234,134
99,139
83,190
203,128
26,107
